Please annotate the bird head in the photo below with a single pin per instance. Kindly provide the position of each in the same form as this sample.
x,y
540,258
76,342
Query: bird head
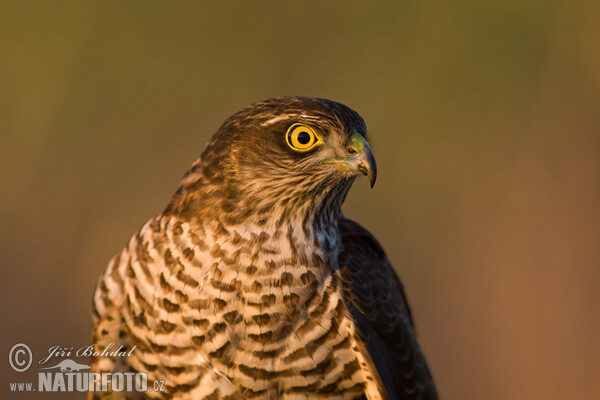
x,y
294,156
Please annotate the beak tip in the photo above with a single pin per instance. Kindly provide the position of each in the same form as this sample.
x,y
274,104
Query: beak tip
x,y
373,178
372,171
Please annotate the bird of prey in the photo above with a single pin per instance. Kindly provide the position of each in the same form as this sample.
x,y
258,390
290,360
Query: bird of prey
x,y
252,284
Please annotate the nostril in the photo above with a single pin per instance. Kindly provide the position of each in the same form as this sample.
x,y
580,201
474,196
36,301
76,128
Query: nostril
x,y
351,150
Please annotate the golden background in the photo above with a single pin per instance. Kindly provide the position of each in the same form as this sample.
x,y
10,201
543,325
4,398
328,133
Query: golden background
x,y
485,118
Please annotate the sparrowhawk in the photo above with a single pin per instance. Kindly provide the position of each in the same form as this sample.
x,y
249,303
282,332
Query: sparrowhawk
x,y
252,284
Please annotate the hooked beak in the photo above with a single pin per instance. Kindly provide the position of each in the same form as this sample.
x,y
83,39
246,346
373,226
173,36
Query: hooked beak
x,y
361,159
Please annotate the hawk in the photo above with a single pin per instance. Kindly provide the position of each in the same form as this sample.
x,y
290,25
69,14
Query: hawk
x,y
252,284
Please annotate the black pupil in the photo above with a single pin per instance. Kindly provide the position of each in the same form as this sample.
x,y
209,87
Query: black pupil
x,y
303,137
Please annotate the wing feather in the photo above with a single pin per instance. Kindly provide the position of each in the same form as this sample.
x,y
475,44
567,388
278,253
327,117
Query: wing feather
x,y
375,299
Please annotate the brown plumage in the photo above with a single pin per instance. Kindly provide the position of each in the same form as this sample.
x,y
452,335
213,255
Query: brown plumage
x,y
251,283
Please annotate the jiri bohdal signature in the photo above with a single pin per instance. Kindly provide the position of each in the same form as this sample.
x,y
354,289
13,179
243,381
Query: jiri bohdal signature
x,y
87,351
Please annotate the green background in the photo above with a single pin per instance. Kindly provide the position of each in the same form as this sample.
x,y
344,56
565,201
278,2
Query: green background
x,y
485,118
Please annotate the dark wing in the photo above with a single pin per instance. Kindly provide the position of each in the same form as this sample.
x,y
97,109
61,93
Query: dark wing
x,y
377,304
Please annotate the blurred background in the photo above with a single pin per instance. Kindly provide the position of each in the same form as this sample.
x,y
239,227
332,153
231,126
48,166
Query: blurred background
x,y
485,118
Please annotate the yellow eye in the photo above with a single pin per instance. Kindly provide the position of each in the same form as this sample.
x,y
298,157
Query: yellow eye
x,y
301,137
